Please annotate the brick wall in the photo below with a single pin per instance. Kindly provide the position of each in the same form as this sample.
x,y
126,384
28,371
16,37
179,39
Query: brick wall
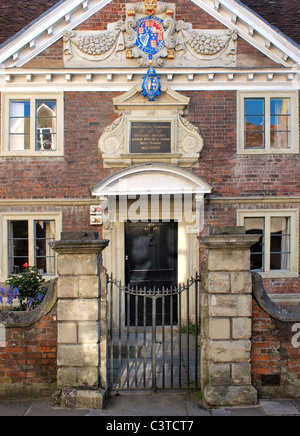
x,y
185,10
275,361
28,362
88,113
86,116
214,112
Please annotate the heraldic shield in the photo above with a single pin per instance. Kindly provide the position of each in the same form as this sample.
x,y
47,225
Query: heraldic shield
x,y
151,85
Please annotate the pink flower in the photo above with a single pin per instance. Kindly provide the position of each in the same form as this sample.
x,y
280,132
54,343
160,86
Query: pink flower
x,y
26,265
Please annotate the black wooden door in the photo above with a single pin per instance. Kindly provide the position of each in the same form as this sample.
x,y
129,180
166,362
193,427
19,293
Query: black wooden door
x,y
151,261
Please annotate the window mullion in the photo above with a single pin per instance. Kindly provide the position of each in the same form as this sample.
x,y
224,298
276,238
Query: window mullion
x,y
267,123
5,233
242,124
31,242
267,242
32,124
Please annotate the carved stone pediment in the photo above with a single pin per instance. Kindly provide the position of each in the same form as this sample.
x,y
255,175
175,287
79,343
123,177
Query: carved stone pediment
x,y
185,142
150,36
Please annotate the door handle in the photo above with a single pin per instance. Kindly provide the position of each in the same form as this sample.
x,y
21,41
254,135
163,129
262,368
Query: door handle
x,y
126,257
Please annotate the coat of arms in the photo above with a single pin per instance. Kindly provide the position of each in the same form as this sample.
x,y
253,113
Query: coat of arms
x,y
151,22
151,35
151,85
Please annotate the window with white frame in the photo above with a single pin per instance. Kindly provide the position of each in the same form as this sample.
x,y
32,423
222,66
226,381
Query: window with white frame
x,y
276,252
268,123
32,125
26,242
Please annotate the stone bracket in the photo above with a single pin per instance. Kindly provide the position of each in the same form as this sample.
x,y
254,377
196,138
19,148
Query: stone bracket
x,y
283,314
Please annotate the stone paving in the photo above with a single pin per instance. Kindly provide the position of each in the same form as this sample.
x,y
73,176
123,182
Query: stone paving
x,y
156,406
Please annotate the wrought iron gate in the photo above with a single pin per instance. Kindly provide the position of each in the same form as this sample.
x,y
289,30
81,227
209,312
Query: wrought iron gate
x,y
153,336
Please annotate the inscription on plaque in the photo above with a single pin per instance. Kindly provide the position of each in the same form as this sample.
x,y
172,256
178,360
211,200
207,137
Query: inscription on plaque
x,y
150,137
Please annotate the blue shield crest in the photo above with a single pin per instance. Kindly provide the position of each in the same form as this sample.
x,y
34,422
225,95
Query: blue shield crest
x,y
151,85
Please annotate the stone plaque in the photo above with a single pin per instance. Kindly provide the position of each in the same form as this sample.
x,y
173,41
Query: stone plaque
x,y
150,137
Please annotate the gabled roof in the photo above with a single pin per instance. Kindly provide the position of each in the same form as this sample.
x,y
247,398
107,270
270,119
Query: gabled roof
x,y
66,15
17,15
281,14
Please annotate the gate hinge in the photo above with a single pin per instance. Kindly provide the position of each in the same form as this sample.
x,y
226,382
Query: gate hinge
x,y
198,278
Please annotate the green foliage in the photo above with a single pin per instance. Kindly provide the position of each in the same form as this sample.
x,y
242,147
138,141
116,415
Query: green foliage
x,y
191,329
30,286
199,394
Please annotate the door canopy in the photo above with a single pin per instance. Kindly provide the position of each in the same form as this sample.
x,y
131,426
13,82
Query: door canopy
x,y
151,179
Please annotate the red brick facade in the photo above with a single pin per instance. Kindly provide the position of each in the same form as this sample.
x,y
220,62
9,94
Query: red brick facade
x,y
88,113
28,362
232,175
275,360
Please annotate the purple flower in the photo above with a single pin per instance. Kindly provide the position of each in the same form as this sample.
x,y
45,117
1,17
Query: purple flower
x,y
9,299
40,297
16,293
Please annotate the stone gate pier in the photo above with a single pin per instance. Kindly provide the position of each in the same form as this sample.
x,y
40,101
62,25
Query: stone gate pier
x,y
81,317
227,318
